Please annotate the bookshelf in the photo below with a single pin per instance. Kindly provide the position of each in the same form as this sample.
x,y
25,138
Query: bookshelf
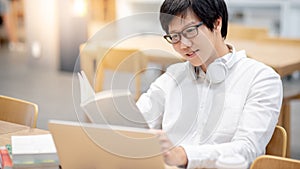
x,y
16,15
102,10
280,17
100,13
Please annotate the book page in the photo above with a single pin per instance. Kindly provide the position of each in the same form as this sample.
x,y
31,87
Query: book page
x,y
86,91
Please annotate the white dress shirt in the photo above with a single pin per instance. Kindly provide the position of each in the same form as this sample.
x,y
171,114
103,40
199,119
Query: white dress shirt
x,y
237,115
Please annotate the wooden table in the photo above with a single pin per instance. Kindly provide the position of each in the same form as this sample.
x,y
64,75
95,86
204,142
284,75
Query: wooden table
x,y
284,59
8,129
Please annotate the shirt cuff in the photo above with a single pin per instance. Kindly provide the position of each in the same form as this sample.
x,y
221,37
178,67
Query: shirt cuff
x,y
200,156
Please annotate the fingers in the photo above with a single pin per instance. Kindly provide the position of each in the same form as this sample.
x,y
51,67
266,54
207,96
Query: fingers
x,y
172,155
164,141
156,131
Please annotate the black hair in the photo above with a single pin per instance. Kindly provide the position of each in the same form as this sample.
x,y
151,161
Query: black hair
x,y
208,12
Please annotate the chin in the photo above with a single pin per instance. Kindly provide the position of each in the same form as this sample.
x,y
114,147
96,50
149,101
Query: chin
x,y
195,63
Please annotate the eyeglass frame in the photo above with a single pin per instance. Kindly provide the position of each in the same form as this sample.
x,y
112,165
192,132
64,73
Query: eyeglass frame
x,y
183,34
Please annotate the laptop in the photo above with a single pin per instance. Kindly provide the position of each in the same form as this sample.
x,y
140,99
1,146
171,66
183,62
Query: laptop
x,y
96,146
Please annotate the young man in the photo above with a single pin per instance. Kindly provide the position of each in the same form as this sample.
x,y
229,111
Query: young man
x,y
218,102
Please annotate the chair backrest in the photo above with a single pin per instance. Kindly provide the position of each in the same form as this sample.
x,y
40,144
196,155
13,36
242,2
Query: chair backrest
x,y
278,143
121,60
18,111
274,162
237,31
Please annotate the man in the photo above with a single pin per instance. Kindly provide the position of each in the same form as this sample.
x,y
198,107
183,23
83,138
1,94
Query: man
x,y
218,102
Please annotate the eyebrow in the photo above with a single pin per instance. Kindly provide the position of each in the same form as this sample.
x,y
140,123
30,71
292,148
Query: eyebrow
x,y
186,26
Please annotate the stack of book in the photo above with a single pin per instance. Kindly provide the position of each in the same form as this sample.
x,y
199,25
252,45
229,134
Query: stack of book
x,y
35,151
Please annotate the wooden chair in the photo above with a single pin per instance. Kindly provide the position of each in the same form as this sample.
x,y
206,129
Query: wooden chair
x,y
18,111
237,31
278,143
274,162
121,60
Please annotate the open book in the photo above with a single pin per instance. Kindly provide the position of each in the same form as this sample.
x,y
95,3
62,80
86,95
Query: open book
x,y
112,107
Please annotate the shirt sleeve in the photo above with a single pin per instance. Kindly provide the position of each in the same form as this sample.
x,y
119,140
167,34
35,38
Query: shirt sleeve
x,y
256,126
152,103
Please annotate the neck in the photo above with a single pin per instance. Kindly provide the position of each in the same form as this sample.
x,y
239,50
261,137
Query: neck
x,y
221,50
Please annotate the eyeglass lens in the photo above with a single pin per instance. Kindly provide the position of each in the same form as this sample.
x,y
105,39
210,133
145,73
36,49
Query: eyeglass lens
x,y
189,33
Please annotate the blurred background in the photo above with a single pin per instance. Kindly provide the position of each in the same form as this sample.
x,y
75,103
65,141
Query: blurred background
x,y
37,65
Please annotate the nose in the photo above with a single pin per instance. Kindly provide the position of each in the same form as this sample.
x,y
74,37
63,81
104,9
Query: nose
x,y
185,43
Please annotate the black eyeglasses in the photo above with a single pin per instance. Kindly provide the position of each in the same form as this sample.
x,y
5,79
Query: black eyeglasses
x,y
188,33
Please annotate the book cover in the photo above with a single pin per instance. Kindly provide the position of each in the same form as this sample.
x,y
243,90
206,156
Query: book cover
x,y
113,107
6,162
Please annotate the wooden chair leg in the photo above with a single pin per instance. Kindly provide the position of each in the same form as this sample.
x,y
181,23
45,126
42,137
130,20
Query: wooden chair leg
x,y
280,118
284,121
287,126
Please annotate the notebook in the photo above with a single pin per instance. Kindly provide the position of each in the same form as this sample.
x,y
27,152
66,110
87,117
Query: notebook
x,y
87,145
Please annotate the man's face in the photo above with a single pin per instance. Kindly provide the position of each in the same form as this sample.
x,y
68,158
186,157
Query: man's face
x,y
198,50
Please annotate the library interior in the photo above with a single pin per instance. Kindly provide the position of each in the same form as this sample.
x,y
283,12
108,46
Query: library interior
x,y
119,44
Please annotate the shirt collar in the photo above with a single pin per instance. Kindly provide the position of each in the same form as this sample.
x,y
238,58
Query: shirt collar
x,y
229,59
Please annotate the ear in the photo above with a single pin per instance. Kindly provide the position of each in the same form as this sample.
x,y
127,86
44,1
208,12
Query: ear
x,y
218,24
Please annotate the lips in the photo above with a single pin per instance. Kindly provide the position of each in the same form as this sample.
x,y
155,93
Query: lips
x,y
191,54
